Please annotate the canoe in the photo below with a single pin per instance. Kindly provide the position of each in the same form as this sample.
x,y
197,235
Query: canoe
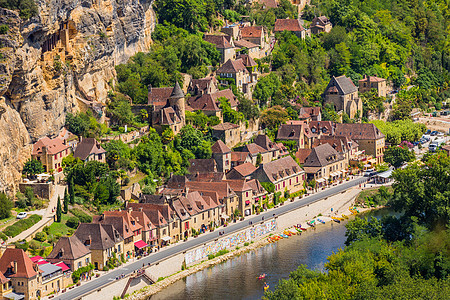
x,y
321,221
344,216
303,228
284,236
336,220
298,230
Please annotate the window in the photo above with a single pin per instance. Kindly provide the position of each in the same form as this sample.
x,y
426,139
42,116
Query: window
x,y
56,156
79,264
284,183
246,194
195,220
297,179
203,216
87,261
118,249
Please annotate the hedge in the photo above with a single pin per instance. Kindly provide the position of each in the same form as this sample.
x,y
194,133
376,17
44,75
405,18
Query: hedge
x,y
81,215
21,225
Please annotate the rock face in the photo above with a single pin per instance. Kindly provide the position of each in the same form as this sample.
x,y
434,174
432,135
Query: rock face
x,y
61,61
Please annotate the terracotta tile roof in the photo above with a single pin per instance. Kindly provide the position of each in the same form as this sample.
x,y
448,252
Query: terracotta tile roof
x,y
3,279
246,169
256,186
122,220
95,237
142,219
68,248
202,166
225,126
158,96
312,111
220,147
222,188
88,146
245,44
17,257
268,3
206,177
263,141
289,132
228,94
324,127
280,168
321,156
155,199
251,31
154,212
372,79
203,84
288,25
239,156
233,66
253,149
203,102
357,131
219,40
238,185
53,146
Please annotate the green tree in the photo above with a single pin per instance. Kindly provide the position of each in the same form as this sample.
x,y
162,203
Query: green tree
x,y
58,210
71,191
5,206
77,124
66,201
32,167
266,87
396,155
274,116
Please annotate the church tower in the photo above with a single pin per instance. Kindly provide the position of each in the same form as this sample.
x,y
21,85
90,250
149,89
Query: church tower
x,y
177,102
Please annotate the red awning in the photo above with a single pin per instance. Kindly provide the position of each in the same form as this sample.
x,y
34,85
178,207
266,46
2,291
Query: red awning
x,y
63,266
140,244
247,202
42,262
36,258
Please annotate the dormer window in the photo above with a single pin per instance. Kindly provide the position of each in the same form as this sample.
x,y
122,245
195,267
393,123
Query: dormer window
x,y
132,223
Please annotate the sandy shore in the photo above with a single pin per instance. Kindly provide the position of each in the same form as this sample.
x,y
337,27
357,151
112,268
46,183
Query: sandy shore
x,y
339,203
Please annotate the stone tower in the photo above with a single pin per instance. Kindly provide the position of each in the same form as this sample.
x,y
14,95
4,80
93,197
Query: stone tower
x,y
177,102
222,155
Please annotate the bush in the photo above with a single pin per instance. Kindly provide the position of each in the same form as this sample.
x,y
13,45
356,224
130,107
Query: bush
x,y
81,215
3,236
21,225
5,206
40,236
246,244
4,29
21,245
73,222
77,273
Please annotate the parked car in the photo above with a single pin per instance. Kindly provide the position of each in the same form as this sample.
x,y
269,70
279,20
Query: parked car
x,y
428,131
22,215
433,133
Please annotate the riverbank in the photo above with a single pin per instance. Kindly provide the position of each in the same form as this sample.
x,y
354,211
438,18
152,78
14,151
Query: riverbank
x,y
332,206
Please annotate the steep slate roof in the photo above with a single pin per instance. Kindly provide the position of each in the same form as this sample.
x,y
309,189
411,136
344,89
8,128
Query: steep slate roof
x,y
357,131
220,147
289,132
167,116
280,168
321,156
251,31
343,84
25,267
142,219
54,146
288,25
319,21
96,233
263,141
177,92
244,43
219,40
70,248
256,186
88,146
202,166
233,66
203,102
340,143
302,154
225,126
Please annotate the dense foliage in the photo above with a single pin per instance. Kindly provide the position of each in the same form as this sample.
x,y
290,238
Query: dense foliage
x,y
21,225
32,167
26,8
397,155
5,206
400,130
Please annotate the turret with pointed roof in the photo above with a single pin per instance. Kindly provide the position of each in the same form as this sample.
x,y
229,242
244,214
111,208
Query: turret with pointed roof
x,y
222,156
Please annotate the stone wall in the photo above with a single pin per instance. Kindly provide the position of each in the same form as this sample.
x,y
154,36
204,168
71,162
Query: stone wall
x,y
42,190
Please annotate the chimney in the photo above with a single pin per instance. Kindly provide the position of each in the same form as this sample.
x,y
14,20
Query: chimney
x,y
140,209
130,209
81,138
149,88
15,267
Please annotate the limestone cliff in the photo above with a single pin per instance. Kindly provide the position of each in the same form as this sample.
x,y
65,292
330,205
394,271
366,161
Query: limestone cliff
x,y
61,61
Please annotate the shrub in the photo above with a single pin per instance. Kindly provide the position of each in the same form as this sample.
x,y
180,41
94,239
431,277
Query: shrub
x,y
3,236
81,215
246,244
4,29
21,245
73,222
21,225
40,236
77,273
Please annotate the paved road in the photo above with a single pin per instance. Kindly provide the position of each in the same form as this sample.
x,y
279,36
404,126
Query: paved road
x,y
77,292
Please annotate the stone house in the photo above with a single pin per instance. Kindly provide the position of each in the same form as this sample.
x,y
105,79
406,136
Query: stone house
x,y
256,35
236,71
367,136
292,132
206,104
225,47
149,236
89,149
284,173
207,85
245,195
228,132
50,152
202,166
292,25
102,240
244,47
222,155
52,279
343,145
231,30
258,154
372,82
71,251
324,164
21,278
315,113
343,95
239,158
126,225
167,108
320,24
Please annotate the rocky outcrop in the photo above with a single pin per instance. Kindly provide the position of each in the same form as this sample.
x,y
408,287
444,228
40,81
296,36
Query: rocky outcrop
x,y
60,61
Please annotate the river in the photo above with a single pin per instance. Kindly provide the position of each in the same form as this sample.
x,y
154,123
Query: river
x,y
237,277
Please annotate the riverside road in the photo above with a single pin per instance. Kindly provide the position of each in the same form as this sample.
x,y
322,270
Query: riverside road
x,y
98,283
